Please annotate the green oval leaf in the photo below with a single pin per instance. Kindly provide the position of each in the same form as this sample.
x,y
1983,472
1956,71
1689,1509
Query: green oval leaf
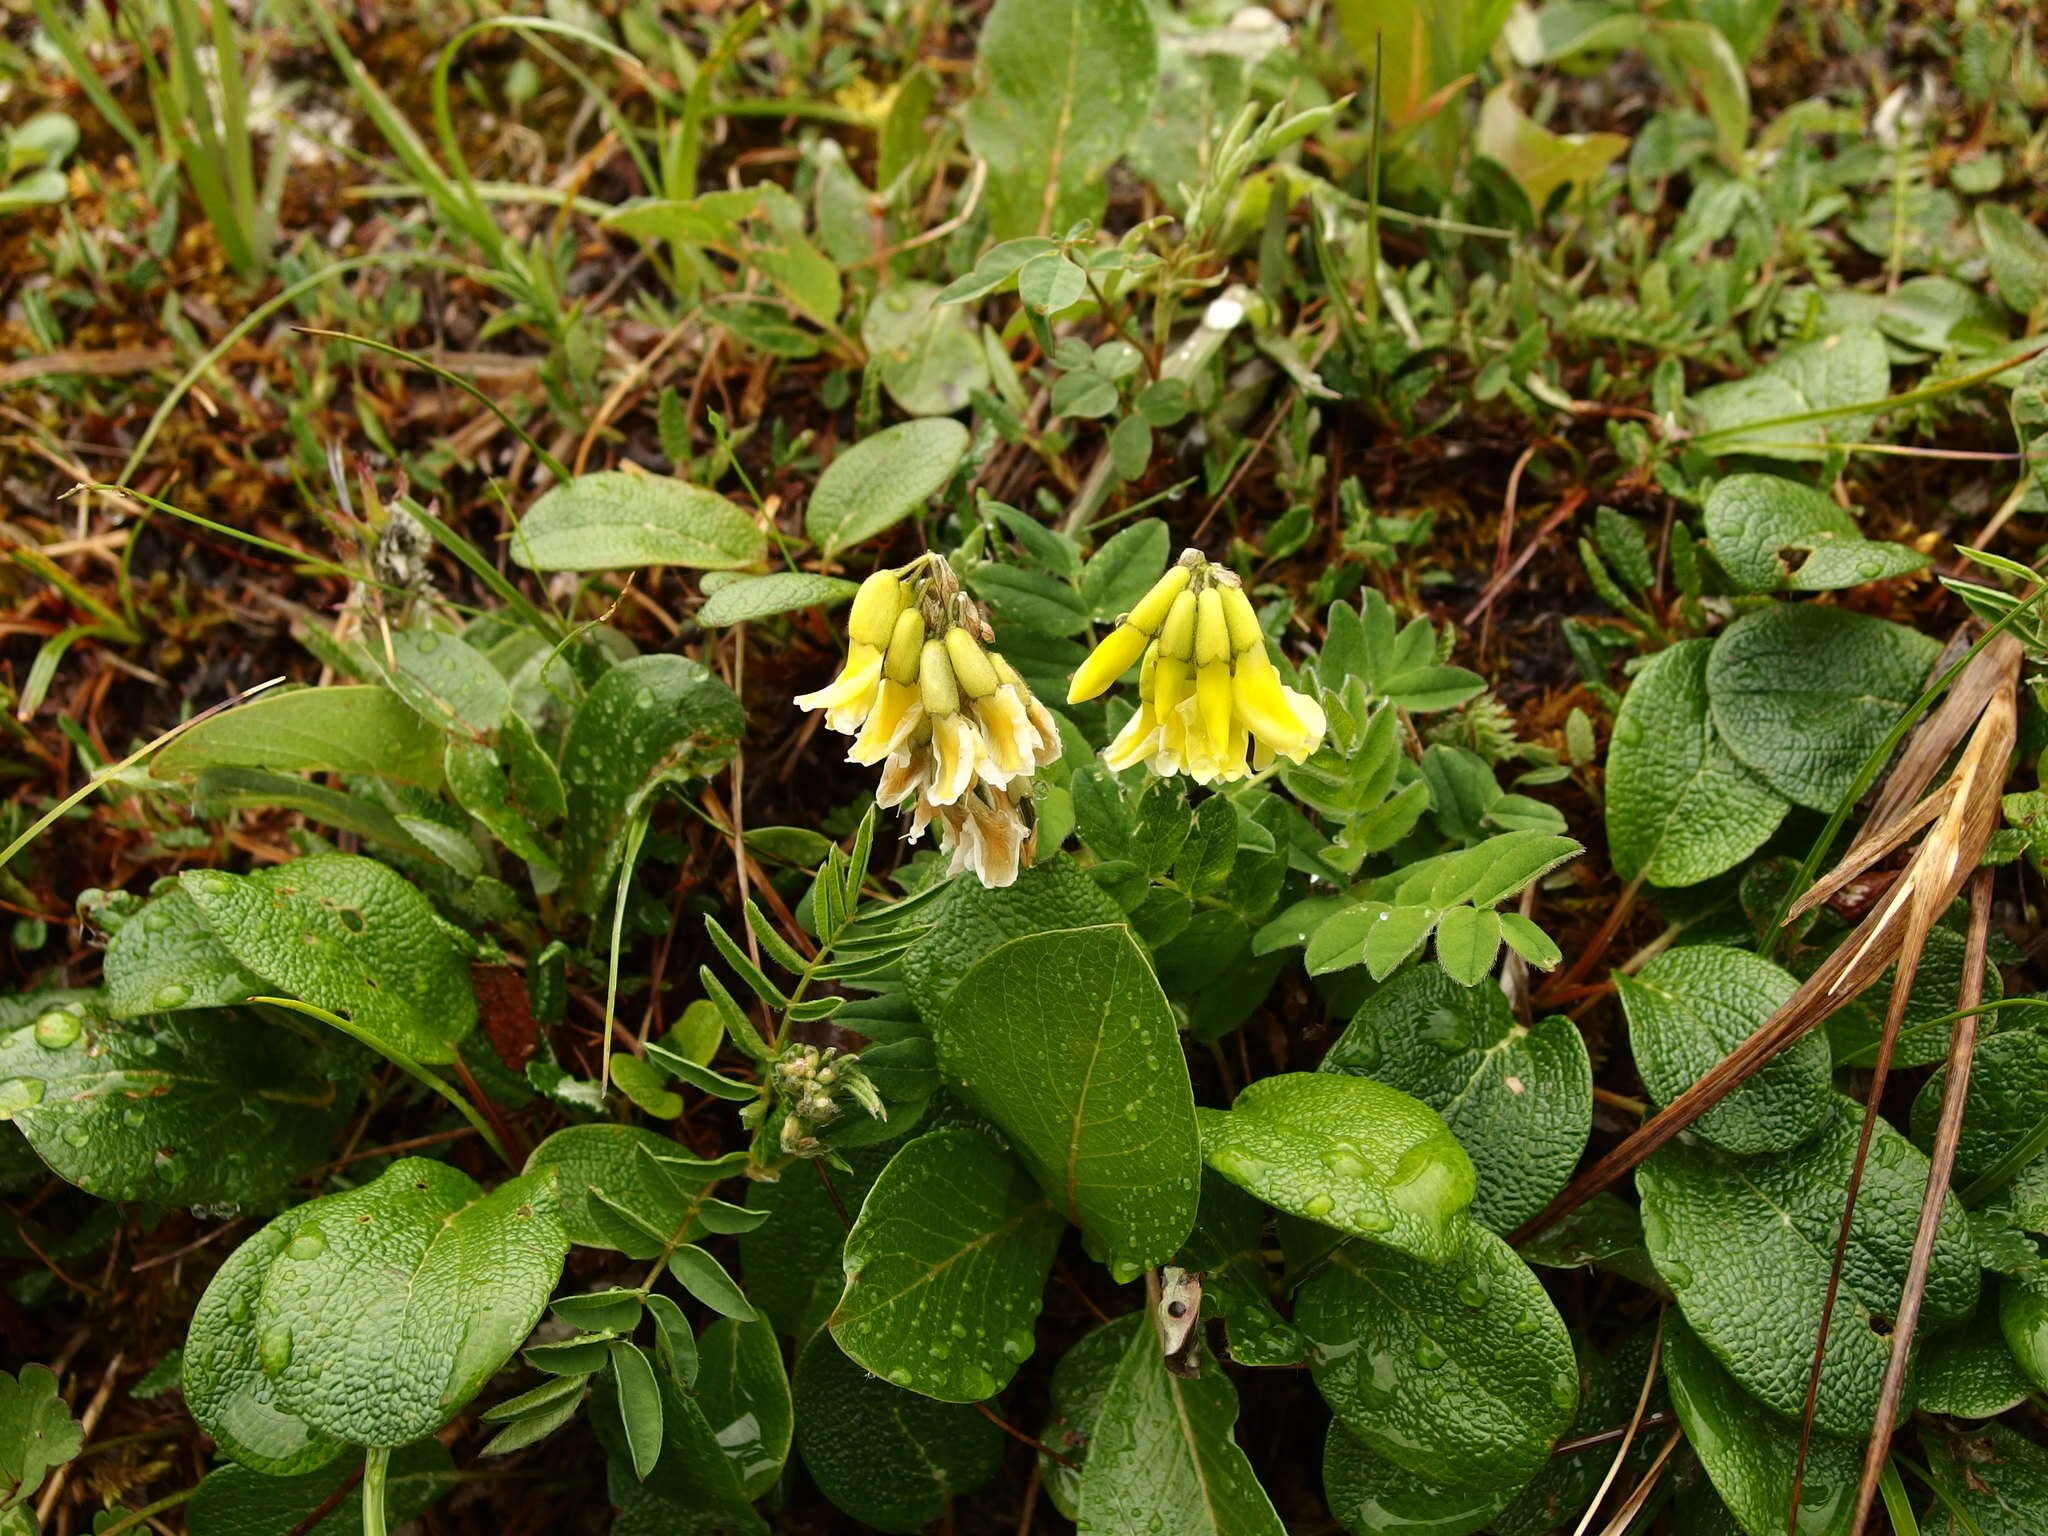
x,y
417,1281
946,1267
881,480
744,1393
1772,535
1350,1153
1689,1007
1803,693
1372,1497
1518,1098
1065,1041
1680,807
1460,1371
165,958
761,597
347,729
614,521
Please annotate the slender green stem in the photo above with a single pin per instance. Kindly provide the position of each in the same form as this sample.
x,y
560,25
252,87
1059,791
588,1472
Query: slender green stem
x,y
400,1060
376,1463
1868,1054
1864,407
135,1519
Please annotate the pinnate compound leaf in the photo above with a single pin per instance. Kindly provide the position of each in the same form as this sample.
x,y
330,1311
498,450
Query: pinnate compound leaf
x,y
1680,807
692,1489
1803,693
1064,85
350,729
418,1282
650,721
946,1267
1350,1153
234,1501
881,480
37,1432
761,597
190,1110
1689,1007
614,521
1163,1457
1772,535
744,1394
891,1459
166,958
1749,1454
350,935
1460,1372
1746,1245
1065,1041
1369,1495
1519,1098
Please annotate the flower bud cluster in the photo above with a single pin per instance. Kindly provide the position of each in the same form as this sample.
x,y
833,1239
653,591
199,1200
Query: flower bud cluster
x,y
1211,703
956,730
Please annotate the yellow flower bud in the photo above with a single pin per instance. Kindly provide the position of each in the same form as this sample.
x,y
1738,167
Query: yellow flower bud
x,y
1106,663
971,664
935,680
906,644
1177,634
1212,668
1243,621
1151,610
875,607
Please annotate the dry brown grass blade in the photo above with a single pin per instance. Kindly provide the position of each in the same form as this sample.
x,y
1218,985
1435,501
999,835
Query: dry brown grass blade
x,y
1640,1494
1929,882
1628,1438
1941,1166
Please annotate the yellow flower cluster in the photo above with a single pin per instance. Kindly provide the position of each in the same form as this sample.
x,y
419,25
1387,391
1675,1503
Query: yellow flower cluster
x,y
957,732
1211,704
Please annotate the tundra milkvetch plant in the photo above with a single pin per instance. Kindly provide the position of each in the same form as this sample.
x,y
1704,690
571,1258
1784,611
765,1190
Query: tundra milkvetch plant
x,y
1211,703
956,730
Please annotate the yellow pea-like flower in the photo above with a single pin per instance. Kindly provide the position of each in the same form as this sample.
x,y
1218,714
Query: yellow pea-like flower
x,y
1126,643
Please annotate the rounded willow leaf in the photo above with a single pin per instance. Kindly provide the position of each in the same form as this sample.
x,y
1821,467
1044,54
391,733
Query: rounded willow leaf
x,y
2007,1100
930,357
417,1282
1163,1457
350,935
1518,1098
1064,84
969,921
1770,534
1803,693
1461,1372
1372,1497
615,1192
891,1459
1746,1245
1680,808
760,597
1969,1372
1750,1454
1689,1007
744,1392
1350,1153
647,722
946,1267
1079,1383
881,480
165,958
612,521
1996,1479
186,1110
1065,1041
235,1501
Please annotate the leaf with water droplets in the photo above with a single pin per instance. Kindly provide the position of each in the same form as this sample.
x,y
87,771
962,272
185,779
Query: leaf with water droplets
x,y
1371,1496
1350,1153
193,1109
372,1316
1461,1372
350,935
946,1267
891,1459
165,957
1066,1042
1750,1454
1519,1098
1746,1244
744,1393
